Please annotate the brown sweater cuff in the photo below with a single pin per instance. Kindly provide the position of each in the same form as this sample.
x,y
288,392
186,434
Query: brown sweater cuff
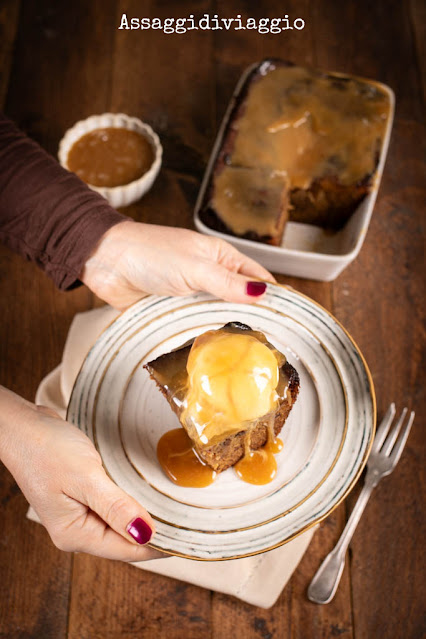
x,y
48,214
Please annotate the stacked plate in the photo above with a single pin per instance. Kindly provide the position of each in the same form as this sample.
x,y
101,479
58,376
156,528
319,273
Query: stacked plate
x,y
327,437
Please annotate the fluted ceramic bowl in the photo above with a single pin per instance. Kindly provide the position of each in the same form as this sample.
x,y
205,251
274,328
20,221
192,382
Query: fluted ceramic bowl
x,y
126,194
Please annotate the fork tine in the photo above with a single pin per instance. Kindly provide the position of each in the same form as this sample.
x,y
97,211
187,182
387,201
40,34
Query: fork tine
x,y
392,436
399,446
382,431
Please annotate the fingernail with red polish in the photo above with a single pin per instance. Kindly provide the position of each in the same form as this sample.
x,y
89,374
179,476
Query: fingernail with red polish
x,y
255,288
139,530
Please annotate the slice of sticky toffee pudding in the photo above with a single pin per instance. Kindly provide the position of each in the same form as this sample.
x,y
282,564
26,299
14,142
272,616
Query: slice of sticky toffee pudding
x,y
231,390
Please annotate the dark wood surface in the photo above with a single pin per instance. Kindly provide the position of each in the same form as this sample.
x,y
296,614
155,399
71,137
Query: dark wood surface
x,y
60,62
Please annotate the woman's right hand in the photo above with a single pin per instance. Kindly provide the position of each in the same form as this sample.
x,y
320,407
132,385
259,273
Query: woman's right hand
x,y
60,473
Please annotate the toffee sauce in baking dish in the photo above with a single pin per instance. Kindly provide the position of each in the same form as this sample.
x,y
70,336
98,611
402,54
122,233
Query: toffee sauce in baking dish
x,y
218,396
110,157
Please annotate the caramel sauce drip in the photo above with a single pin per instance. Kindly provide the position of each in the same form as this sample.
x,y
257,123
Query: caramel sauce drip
x,y
180,461
110,157
298,125
259,466
184,467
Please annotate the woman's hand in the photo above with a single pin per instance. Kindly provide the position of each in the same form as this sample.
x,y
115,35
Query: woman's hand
x,y
56,466
60,473
134,259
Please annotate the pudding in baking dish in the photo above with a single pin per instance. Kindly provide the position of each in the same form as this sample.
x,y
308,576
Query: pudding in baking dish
x,y
301,145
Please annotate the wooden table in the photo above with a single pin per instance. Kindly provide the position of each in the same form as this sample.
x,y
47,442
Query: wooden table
x,y
62,61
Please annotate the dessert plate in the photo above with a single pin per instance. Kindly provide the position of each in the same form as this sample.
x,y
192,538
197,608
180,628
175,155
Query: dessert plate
x,y
327,436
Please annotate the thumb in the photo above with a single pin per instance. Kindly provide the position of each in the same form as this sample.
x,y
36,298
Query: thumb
x,y
228,285
119,510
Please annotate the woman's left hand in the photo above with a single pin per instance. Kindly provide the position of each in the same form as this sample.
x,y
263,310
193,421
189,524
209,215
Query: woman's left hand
x,y
133,259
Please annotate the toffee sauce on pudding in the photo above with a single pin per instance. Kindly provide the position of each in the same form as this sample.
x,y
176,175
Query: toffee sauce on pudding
x,y
110,157
180,462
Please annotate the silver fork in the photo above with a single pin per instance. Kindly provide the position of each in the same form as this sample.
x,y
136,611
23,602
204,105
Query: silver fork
x,y
385,453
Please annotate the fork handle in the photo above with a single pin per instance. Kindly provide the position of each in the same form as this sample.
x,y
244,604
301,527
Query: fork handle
x,y
324,584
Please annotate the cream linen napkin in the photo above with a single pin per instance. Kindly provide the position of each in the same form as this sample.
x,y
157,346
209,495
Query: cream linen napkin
x,y
257,580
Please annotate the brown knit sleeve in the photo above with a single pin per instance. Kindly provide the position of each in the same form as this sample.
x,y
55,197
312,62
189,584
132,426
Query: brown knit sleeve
x,y
47,214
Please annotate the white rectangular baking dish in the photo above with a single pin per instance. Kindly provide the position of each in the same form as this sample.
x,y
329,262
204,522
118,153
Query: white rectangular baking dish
x,y
306,250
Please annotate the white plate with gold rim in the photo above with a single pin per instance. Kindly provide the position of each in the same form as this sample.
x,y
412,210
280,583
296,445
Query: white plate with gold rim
x,y
327,436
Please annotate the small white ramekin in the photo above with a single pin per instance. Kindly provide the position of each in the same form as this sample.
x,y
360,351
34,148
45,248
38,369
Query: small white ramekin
x,y
117,196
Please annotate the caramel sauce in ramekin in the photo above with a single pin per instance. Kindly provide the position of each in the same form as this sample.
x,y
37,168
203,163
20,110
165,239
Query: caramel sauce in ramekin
x,y
110,157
